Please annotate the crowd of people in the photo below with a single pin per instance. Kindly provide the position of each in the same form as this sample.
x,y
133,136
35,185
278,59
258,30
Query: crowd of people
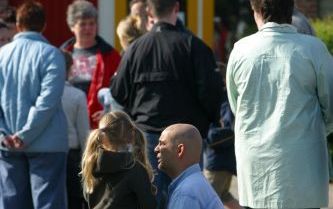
x,y
162,125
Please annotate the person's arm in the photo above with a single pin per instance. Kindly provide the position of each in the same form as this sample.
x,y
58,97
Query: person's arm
x,y
209,83
82,120
231,86
4,140
2,119
325,87
52,72
120,86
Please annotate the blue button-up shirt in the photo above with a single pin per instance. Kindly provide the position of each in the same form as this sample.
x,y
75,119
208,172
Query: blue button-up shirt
x,y
190,190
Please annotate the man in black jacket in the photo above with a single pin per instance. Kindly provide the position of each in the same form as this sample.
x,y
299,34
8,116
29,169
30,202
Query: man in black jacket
x,y
168,76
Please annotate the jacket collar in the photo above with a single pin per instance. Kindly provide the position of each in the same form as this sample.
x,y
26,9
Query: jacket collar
x,y
31,35
113,162
160,26
101,43
275,27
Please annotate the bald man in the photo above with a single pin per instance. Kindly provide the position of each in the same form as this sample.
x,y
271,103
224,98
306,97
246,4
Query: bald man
x,y
178,153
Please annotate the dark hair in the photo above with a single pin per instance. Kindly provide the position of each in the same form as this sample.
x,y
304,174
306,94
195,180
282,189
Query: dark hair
x,y
8,14
161,8
31,16
278,11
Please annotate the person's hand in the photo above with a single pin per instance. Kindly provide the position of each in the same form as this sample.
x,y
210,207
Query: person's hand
x,y
97,115
7,142
12,142
18,143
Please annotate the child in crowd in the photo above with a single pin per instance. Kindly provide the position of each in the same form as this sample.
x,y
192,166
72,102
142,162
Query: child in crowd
x,y
113,175
75,106
128,30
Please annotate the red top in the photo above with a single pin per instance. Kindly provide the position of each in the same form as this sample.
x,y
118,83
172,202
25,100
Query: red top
x,y
107,61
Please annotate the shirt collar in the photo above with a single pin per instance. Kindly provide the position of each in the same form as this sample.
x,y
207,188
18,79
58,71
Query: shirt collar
x,y
31,35
189,171
160,26
283,28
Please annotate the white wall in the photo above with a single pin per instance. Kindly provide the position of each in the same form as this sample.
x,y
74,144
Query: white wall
x,y
106,20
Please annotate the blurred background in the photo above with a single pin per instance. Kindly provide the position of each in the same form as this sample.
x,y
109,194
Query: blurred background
x,y
218,22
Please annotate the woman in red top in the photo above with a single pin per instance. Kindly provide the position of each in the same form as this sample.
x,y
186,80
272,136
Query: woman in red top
x,y
95,61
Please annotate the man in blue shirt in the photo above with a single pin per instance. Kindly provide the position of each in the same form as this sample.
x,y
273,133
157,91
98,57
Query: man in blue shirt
x,y
178,154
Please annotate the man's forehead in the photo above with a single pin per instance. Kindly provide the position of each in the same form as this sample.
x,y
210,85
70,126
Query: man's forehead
x,y
166,136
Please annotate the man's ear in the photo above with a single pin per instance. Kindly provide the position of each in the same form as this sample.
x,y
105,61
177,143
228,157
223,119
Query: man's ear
x,y
180,151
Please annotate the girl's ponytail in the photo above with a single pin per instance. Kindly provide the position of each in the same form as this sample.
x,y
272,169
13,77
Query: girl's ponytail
x,y
89,159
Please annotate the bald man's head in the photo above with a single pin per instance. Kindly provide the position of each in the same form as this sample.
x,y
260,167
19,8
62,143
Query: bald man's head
x,y
189,136
179,147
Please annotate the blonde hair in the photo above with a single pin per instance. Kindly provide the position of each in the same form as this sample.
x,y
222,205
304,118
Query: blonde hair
x,y
140,152
115,129
129,29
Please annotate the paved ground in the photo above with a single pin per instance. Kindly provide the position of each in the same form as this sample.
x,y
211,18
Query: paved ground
x,y
234,192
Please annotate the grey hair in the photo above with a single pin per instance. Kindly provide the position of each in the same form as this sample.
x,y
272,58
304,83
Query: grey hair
x,y
80,9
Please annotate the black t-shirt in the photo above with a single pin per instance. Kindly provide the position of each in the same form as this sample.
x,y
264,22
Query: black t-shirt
x,y
84,65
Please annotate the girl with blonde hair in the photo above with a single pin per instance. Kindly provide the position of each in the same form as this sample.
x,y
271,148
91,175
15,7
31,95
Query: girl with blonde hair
x,y
113,176
128,30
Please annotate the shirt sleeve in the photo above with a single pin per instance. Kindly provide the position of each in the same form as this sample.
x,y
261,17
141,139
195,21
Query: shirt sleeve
x,y
82,120
183,202
231,86
2,122
52,72
209,83
120,86
325,88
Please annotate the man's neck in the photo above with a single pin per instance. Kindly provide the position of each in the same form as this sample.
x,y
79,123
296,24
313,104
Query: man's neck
x,y
170,19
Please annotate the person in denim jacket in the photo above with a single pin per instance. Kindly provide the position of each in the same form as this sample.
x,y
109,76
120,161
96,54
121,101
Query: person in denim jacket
x,y
32,122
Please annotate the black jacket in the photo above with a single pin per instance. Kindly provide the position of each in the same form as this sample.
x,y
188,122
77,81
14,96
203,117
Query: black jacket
x,y
122,183
168,76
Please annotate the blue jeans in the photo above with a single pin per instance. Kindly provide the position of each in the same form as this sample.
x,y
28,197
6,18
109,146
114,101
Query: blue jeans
x,y
161,180
32,180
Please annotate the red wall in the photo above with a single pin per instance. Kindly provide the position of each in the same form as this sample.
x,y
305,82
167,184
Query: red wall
x,y
56,30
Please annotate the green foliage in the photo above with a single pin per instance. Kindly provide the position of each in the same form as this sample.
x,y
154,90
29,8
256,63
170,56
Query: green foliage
x,y
324,31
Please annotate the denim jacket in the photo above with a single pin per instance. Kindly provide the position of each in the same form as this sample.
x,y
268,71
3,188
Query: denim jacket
x,y
32,77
